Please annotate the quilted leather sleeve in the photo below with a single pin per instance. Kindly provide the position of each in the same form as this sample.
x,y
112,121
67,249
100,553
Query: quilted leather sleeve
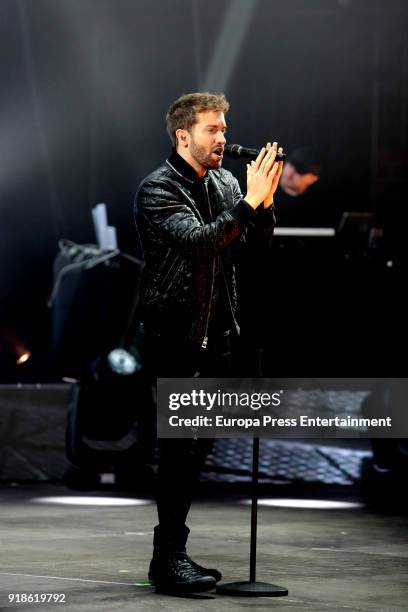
x,y
170,212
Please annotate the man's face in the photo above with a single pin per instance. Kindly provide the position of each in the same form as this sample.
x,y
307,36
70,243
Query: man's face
x,y
294,183
204,143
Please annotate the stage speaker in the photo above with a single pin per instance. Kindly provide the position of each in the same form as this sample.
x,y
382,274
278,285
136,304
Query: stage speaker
x,y
93,304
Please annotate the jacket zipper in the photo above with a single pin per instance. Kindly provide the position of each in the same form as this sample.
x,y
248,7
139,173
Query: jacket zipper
x,y
205,339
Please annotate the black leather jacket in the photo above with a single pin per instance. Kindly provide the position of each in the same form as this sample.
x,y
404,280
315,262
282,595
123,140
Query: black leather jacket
x,y
189,250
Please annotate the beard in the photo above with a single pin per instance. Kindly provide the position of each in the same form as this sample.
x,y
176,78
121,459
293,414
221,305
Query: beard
x,y
203,157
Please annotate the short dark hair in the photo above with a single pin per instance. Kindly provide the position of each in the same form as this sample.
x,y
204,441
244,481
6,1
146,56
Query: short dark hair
x,y
182,112
305,160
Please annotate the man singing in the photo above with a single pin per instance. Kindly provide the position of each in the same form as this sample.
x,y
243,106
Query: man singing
x,y
194,226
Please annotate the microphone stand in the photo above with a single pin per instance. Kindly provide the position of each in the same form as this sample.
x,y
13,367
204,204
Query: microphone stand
x,y
254,588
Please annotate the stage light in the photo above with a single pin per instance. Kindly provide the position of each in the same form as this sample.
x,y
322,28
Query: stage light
x,y
124,363
23,358
91,501
310,504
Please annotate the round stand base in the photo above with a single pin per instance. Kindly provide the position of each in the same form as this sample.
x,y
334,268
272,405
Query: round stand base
x,y
252,589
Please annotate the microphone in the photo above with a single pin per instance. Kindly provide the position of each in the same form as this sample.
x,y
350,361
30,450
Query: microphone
x,y
236,151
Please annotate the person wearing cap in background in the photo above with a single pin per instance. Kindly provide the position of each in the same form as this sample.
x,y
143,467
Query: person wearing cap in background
x,y
296,205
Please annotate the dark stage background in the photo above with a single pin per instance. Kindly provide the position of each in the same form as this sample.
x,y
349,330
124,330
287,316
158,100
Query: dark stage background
x,y
85,87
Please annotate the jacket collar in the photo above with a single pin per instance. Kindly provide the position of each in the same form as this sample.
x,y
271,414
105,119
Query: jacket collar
x,y
182,167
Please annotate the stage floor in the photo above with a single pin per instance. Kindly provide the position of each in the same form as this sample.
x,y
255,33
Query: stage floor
x,y
97,556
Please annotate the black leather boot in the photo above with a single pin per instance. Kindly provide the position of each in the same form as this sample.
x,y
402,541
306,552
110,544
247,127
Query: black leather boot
x,y
172,569
175,572
155,565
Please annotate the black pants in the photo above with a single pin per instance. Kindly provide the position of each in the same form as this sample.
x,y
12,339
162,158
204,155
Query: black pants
x,y
181,460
